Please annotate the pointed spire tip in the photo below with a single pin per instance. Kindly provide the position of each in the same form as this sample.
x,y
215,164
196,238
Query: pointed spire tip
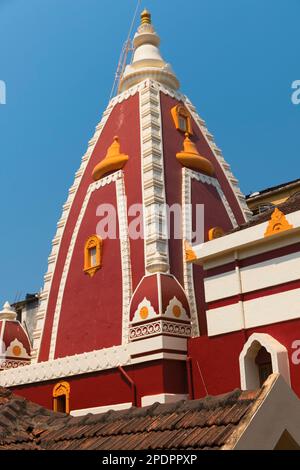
x,y
145,17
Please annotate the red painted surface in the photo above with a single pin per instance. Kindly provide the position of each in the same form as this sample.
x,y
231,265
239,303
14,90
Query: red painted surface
x,y
173,143
91,311
170,288
147,289
110,387
124,117
215,363
14,330
249,261
215,212
216,359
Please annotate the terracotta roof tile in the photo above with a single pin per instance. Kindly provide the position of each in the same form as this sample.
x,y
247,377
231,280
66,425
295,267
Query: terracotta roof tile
x,y
193,424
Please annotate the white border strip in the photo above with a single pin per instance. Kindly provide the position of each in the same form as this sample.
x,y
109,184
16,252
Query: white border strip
x,y
125,256
188,273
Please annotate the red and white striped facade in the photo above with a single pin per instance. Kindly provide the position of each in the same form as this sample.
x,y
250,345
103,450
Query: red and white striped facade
x,y
150,324
252,289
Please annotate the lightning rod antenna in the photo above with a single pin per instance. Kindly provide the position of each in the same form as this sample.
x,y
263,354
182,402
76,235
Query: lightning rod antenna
x,y
127,47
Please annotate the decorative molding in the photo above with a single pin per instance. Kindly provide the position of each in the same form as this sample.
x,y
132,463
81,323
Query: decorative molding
x,y
125,256
214,182
175,309
78,364
144,311
278,223
95,361
17,350
160,327
188,274
12,363
153,182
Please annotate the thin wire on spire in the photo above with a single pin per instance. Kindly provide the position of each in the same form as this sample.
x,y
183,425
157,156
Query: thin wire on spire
x,y
127,47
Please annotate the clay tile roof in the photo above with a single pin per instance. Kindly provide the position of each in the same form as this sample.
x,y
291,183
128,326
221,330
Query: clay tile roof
x,y
287,207
192,424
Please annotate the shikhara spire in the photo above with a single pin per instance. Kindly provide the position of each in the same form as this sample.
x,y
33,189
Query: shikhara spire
x,y
147,61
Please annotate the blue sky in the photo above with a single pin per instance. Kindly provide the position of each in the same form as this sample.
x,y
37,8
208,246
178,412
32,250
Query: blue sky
x,y
236,60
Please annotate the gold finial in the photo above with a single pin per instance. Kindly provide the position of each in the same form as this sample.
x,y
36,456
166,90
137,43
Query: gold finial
x,y
145,17
114,160
191,158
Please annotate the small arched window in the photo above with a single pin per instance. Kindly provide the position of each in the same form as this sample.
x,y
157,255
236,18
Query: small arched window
x,y
261,356
263,361
61,397
182,119
92,255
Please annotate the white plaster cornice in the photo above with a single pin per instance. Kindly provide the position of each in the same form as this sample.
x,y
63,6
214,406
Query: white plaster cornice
x,y
67,366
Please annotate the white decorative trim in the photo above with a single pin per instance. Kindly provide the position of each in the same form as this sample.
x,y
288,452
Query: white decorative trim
x,y
93,187
159,327
174,302
12,363
78,364
101,409
156,246
97,361
188,274
214,182
151,312
148,400
9,351
248,368
2,344
125,257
